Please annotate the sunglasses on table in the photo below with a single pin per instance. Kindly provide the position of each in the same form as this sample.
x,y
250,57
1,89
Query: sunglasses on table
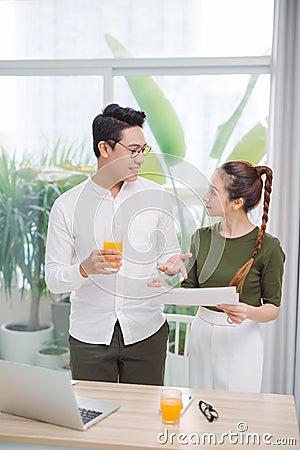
x,y
208,411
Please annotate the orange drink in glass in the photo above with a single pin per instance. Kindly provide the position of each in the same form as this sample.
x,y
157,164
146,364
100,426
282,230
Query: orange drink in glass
x,y
170,405
113,245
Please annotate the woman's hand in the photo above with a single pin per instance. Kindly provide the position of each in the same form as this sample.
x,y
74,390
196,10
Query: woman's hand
x,y
236,313
105,262
240,312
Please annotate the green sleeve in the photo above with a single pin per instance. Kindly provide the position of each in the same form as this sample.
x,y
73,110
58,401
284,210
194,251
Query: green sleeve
x,y
272,274
192,279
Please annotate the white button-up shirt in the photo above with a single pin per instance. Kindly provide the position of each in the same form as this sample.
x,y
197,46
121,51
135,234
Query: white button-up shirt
x,y
80,221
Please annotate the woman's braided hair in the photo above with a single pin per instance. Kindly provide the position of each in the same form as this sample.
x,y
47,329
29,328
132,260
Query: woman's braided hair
x,y
243,180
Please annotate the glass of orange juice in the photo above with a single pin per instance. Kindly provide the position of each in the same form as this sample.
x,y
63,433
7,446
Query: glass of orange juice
x,y
113,245
170,405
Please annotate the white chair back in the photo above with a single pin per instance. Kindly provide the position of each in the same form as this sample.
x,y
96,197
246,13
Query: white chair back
x,y
176,371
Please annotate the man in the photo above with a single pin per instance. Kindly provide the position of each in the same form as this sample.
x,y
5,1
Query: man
x,y
116,333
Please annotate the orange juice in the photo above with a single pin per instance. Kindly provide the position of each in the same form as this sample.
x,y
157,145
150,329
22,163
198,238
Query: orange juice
x,y
170,409
114,246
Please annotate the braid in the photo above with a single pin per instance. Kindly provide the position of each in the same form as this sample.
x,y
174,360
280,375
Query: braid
x,y
261,170
239,277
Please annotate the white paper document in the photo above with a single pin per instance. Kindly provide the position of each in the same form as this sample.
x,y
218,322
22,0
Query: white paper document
x,y
195,296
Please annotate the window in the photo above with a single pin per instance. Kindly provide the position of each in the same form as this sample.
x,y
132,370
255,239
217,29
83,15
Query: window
x,y
38,113
34,29
60,68
51,88
202,103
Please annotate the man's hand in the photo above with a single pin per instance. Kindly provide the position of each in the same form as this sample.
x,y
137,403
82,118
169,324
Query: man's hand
x,y
174,265
103,262
157,282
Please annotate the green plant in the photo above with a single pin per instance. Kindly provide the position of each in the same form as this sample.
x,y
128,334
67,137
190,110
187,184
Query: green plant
x,y
54,346
161,116
24,210
26,198
54,354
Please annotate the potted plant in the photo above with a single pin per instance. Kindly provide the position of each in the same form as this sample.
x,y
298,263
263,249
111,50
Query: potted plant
x,y
53,354
24,209
26,198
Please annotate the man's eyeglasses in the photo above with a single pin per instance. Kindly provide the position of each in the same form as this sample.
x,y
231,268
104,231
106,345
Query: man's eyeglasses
x,y
209,412
135,151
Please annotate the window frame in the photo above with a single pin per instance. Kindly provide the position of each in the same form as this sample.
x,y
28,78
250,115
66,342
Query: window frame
x,y
109,68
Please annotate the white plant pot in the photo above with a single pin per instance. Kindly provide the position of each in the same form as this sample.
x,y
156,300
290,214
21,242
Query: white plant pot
x,y
21,346
52,361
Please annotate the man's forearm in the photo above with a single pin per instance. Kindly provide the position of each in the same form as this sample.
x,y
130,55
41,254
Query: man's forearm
x,y
63,279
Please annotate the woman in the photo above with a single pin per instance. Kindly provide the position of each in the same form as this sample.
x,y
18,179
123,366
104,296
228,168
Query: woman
x,y
226,348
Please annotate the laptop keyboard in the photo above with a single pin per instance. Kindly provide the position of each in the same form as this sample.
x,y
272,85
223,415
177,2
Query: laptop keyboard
x,y
88,414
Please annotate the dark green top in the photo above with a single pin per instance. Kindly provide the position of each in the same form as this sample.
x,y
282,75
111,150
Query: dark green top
x,y
218,258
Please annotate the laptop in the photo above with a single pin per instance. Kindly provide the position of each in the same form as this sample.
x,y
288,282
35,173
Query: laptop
x,y
47,395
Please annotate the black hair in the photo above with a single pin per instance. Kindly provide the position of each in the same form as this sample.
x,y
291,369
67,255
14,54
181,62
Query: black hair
x,y
109,125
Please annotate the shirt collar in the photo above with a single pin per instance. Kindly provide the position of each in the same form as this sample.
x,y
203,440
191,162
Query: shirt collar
x,y
126,186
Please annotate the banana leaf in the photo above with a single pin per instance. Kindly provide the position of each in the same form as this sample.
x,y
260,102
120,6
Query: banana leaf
x,y
27,174
225,130
252,146
152,169
162,118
